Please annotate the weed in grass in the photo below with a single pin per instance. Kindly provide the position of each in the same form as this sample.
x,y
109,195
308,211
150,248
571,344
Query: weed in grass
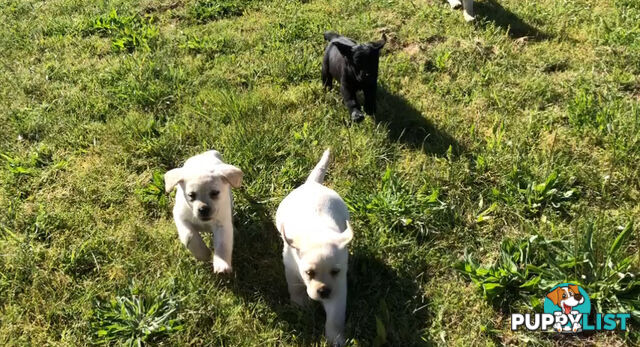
x,y
136,319
207,45
394,205
127,32
555,193
153,195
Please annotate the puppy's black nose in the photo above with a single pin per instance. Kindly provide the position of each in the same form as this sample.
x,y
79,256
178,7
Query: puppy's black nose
x,y
578,297
204,210
324,292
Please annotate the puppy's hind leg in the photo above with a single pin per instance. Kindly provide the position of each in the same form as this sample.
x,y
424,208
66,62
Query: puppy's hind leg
x,y
193,241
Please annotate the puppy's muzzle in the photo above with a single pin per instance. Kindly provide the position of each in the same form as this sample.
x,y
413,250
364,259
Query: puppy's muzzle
x,y
204,212
324,292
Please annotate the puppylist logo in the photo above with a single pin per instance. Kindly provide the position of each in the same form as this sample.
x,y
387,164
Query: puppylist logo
x,y
567,309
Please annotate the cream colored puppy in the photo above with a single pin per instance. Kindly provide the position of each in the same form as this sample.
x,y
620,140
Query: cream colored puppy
x,y
467,8
314,223
204,204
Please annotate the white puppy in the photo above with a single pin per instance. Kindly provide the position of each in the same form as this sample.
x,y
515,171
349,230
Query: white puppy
x,y
467,8
204,205
314,223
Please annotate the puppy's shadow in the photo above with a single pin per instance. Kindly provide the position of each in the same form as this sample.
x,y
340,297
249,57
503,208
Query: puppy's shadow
x,y
507,20
378,296
410,127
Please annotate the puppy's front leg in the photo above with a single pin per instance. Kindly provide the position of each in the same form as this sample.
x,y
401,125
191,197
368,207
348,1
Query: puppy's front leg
x,y
334,325
468,10
193,241
370,99
222,247
349,97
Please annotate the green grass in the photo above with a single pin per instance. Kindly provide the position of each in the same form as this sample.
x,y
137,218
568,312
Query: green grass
x,y
497,145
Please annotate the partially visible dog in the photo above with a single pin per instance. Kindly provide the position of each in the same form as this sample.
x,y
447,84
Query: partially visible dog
x,y
355,66
467,8
204,205
566,298
314,223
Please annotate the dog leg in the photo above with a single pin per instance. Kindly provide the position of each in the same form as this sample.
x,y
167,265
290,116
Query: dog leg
x,y
455,4
351,102
297,289
327,80
370,100
334,325
468,10
193,241
222,247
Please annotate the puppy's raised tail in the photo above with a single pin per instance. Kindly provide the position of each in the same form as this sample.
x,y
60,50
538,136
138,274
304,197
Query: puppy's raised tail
x,y
317,175
330,35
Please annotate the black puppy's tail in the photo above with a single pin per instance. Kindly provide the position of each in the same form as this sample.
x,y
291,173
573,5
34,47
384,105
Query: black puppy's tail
x,y
330,35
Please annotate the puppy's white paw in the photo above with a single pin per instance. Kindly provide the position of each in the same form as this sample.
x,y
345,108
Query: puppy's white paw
x,y
557,327
220,266
468,16
577,328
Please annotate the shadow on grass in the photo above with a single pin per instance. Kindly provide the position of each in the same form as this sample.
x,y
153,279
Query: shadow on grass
x,y
507,20
376,292
410,127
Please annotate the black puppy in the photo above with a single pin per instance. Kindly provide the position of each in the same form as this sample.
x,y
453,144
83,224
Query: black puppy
x,y
356,67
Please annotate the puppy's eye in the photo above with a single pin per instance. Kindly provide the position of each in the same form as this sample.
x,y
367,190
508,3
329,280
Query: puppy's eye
x,y
564,296
191,196
310,273
335,272
214,194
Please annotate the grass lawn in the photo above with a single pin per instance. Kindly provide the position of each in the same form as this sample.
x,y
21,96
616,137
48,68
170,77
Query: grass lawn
x,y
505,145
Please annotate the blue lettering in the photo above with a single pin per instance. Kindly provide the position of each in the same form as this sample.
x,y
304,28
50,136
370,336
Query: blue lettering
x,y
609,321
623,320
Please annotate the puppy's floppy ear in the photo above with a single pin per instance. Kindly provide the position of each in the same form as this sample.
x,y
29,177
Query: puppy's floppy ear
x,y
346,236
554,296
574,289
285,238
172,178
231,174
345,47
380,43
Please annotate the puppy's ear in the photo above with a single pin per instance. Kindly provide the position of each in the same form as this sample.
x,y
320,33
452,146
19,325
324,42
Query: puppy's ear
x,y
231,174
345,47
346,236
172,178
285,238
554,296
574,289
380,43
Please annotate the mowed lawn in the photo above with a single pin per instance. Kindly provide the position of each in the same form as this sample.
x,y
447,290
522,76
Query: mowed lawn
x,y
513,140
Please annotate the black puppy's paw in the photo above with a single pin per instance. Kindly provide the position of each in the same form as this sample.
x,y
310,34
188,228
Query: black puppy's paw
x,y
357,116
